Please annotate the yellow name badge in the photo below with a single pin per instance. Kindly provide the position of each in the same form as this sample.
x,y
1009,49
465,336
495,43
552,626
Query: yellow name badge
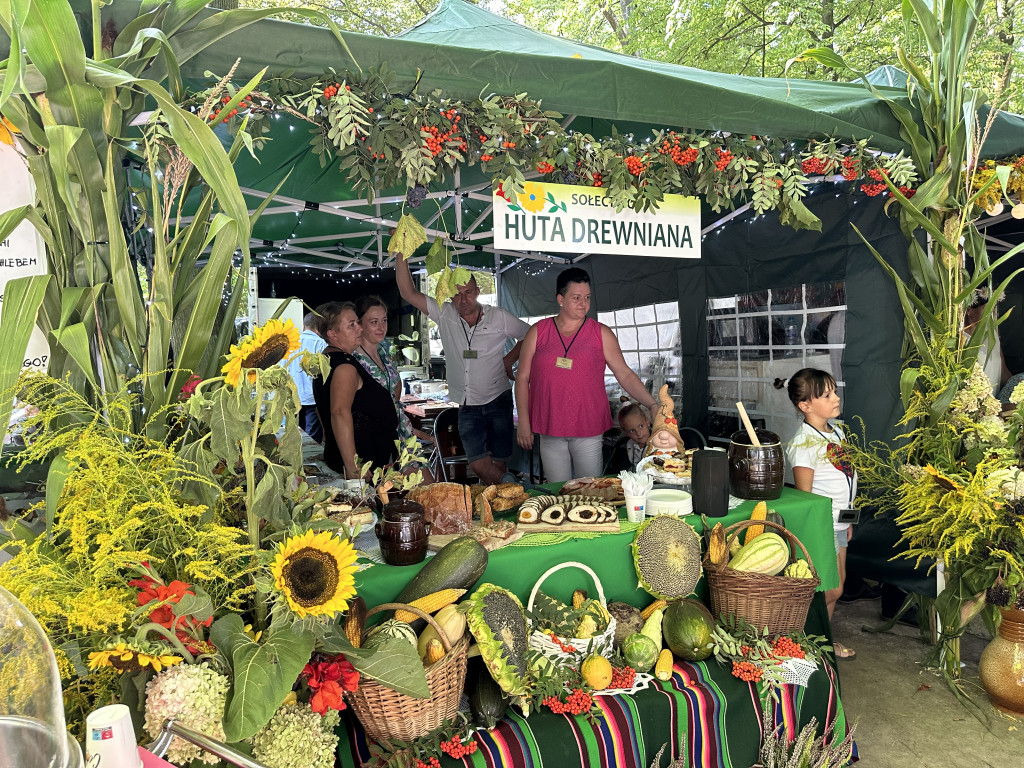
x,y
469,354
563,362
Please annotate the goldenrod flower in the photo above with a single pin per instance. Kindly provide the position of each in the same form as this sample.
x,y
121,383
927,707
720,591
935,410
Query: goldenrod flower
x,y
268,345
125,658
315,573
533,197
7,132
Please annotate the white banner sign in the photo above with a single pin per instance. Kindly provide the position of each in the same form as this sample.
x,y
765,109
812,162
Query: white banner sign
x,y
569,219
22,253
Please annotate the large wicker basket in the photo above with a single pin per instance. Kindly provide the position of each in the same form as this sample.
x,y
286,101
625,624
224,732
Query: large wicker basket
x,y
777,602
387,714
600,643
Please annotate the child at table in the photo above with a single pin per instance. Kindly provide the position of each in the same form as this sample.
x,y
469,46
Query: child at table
x,y
821,465
636,430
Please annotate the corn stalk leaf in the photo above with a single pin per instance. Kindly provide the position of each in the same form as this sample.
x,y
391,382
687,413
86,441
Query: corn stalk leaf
x,y
22,298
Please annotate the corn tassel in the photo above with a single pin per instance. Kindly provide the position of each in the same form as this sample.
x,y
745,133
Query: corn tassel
x,y
435,652
663,669
645,614
431,603
760,513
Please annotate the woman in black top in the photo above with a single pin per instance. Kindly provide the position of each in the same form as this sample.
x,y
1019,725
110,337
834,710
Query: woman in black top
x,y
358,414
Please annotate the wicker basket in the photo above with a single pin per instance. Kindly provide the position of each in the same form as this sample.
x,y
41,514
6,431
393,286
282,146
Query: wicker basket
x,y
387,714
777,602
601,643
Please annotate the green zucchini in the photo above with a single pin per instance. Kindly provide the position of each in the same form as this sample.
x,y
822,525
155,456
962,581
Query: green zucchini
x,y
487,701
459,565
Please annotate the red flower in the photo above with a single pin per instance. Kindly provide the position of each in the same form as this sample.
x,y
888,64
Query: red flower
x,y
329,695
501,193
190,387
330,671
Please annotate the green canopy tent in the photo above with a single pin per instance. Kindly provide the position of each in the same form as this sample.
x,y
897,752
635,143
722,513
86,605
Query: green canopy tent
x,y
317,222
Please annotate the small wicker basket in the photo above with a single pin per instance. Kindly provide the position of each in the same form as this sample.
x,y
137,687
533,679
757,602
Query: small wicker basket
x,y
601,643
387,714
777,602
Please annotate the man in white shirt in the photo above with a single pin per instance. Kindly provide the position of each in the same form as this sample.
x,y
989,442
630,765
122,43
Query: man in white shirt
x,y
309,341
478,369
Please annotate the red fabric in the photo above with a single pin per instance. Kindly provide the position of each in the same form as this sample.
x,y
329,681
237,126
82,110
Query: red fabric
x,y
569,402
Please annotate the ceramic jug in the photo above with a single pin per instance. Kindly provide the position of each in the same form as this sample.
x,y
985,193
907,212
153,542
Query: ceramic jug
x,y
402,533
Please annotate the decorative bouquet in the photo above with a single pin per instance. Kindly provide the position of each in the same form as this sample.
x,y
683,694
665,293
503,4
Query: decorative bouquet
x,y
196,577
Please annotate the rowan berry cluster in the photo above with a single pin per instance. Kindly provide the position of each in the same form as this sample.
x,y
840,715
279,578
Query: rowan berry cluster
x,y
435,139
747,671
815,166
635,165
907,192
598,180
877,174
456,749
724,158
243,105
431,763
545,167
330,90
566,647
576,703
787,647
622,677
851,168
671,147
871,190
485,158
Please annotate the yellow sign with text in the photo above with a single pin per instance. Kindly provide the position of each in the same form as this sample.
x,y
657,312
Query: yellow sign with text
x,y
563,218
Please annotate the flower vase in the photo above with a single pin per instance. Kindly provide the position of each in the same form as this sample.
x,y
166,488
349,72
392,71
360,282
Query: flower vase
x,y
1002,664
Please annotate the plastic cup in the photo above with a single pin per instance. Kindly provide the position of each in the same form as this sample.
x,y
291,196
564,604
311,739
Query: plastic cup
x,y
636,508
110,738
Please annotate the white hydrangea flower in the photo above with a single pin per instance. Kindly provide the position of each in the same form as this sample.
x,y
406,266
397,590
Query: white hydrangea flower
x,y
195,695
1017,396
297,737
1009,483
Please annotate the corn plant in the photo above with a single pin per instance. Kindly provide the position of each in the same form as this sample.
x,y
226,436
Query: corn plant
x,y
74,105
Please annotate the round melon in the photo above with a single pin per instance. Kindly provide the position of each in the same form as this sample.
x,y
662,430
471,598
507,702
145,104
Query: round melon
x,y
687,629
666,554
640,652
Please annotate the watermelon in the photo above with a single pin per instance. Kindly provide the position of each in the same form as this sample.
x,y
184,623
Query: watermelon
x,y
640,652
687,628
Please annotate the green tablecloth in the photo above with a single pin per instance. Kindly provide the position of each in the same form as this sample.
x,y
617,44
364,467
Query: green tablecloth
x,y
518,567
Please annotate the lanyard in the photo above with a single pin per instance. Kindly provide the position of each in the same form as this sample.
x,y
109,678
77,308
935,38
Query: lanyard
x,y
573,340
464,325
842,458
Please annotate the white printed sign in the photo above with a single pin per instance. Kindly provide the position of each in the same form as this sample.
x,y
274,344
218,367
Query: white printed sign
x,y
22,253
564,218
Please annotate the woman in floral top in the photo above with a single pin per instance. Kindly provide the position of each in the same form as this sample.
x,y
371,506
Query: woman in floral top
x,y
373,355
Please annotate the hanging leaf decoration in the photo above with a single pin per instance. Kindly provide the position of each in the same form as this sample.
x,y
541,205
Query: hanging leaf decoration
x,y
438,257
409,235
445,286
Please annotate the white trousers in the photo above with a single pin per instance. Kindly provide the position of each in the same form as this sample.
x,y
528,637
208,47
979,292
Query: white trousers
x,y
568,457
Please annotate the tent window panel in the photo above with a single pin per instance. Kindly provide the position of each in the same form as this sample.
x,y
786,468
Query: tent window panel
x,y
667,311
668,335
758,338
624,316
645,314
628,338
648,337
608,318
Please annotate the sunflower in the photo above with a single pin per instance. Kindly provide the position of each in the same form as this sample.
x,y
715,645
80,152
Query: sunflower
x,y
314,572
126,658
268,345
7,131
532,198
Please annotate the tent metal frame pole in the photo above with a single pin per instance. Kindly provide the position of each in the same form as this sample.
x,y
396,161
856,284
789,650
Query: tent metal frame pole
x,y
728,217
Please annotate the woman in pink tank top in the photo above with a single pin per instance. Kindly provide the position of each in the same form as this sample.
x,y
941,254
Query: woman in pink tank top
x,y
560,392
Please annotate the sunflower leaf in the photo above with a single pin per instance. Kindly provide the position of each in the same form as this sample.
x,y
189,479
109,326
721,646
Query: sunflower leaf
x,y
263,674
394,663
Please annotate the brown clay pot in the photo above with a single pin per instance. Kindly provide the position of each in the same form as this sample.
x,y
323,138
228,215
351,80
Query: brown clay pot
x,y
402,533
1002,664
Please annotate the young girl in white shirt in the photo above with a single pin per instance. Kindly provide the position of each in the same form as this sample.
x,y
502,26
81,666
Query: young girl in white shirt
x,y
821,465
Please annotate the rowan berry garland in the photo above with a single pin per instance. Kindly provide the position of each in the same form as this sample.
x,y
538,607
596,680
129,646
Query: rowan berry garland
x,y
385,137
755,657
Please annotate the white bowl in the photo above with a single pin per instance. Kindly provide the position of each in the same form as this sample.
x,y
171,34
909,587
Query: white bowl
x,y
669,501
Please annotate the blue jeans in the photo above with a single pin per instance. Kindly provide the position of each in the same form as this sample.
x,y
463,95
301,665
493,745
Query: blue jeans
x,y
309,422
486,430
